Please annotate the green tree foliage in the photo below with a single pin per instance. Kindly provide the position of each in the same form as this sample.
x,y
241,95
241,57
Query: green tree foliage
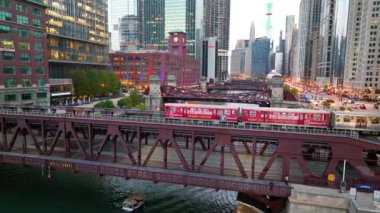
x,y
134,100
105,104
292,90
327,103
95,83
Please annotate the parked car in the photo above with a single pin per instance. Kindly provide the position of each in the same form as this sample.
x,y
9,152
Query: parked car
x,y
362,106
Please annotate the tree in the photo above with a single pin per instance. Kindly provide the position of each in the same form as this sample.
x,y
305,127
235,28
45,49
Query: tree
x,y
105,104
95,83
134,100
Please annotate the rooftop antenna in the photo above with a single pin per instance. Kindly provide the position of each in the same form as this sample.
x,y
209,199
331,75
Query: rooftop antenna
x,y
269,19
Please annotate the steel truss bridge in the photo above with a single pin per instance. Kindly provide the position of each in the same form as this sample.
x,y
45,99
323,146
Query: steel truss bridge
x,y
252,159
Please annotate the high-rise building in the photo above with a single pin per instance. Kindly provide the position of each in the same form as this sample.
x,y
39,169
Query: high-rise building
x,y
248,53
290,22
130,33
309,20
217,24
77,36
238,58
293,56
209,58
23,47
333,29
261,65
164,16
362,70
117,10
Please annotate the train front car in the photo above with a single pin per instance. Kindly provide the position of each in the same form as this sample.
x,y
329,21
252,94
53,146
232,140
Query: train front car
x,y
202,112
366,122
292,117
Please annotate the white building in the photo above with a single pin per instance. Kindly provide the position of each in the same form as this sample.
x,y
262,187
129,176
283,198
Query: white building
x,y
238,57
290,23
209,58
362,68
248,55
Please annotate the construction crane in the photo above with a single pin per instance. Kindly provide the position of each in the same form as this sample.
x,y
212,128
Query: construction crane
x,y
269,19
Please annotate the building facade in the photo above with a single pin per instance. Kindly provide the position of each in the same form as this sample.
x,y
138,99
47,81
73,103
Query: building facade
x,y
164,16
209,58
130,33
362,70
24,70
290,22
238,58
77,36
261,58
248,52
217,24
117,10
309,22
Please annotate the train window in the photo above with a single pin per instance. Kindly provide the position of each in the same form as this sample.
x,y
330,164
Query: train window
x,y
245,113
233,112
167,109
305,116
338,118
227,112
375,120
346,119
324,117
253,113
174,109
316,117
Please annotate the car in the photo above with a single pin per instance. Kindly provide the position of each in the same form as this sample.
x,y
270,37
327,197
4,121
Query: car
x,y
362,106
376,106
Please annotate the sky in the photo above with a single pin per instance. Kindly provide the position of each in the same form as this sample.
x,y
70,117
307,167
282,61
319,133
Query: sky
x,y
243,12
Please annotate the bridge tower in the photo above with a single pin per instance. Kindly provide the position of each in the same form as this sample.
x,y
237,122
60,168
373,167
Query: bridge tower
x,y
153,101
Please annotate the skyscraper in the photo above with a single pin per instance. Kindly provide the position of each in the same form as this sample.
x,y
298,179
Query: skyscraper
x,y
308,34
261,49
77,36
248,54
217,24
117,10
288,42
164,16
130,33
209,58
23,49
362,54
238,58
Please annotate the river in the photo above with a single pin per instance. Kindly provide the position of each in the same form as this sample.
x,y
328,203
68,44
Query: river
x,y
27,189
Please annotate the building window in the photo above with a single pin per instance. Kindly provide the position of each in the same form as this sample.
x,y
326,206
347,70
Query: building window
x,y
5,16
40,70
23,33
38,34
37,23
38,46
21,8
7,43
40,82
10,97
25,57
26,96
8,55
5,3
10,83
41,95
39,58
26,70
22,19
26,82
24,45
37,11
9,69
5,29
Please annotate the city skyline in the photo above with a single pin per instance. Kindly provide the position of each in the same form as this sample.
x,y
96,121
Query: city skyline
x,y
244,12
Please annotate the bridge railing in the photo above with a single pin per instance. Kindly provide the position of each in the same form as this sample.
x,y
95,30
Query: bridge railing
x,y
214,124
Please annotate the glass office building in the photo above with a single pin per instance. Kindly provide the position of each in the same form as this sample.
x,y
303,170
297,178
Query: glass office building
x,y
77,36
164,16
260,58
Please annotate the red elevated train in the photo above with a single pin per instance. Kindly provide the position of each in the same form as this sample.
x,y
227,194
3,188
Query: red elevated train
x,y
248,113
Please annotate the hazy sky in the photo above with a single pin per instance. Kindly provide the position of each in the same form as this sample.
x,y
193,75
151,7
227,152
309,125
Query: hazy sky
x,y
243,12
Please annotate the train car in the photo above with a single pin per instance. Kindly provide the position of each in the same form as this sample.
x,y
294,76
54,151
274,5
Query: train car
x,y
226,112
361,121
299,117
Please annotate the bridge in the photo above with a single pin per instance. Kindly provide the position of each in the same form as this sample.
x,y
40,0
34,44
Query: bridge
x,y
252,159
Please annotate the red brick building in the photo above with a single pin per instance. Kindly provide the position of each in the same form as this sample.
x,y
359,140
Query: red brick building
x,y
135,68
23,53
